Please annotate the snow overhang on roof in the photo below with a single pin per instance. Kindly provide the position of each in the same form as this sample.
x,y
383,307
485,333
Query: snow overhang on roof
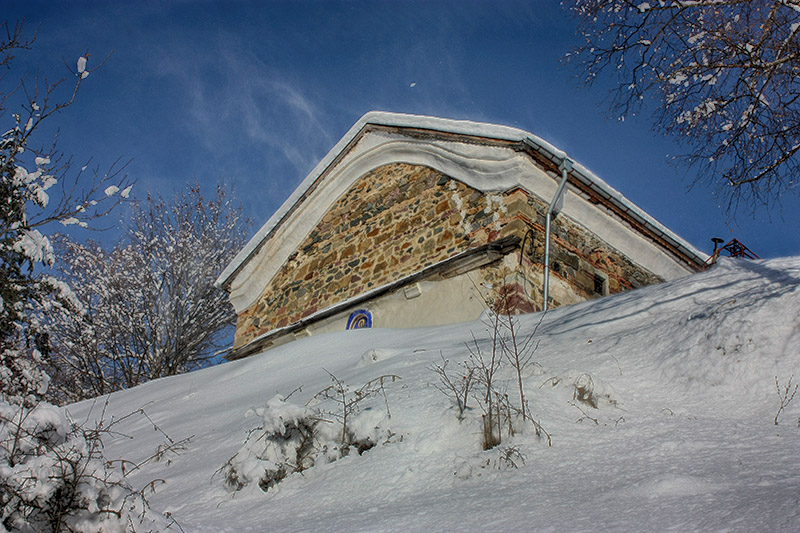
x,y
471,132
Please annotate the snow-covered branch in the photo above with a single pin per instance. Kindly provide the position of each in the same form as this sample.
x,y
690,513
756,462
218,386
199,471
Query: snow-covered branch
x,y
54,475
150,305
38,191
727,72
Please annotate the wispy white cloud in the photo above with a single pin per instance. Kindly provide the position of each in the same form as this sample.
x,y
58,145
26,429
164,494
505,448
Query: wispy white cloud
x,y
237,102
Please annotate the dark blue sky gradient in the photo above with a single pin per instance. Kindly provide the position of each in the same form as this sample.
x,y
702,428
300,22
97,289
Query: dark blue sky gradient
x,y
255,93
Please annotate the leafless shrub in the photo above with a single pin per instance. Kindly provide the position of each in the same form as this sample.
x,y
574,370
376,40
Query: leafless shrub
x,y
585,391
486,366
585,415
785,394
348,402
478,375
515,349
456,384
511,457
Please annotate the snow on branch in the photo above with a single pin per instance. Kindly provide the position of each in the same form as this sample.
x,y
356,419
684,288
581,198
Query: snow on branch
x,y
727,73
151,307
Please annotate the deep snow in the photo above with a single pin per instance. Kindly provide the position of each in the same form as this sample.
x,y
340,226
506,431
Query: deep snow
x,y
685,442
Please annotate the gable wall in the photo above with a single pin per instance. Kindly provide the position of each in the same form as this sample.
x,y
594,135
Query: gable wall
x,y
393,221
400,218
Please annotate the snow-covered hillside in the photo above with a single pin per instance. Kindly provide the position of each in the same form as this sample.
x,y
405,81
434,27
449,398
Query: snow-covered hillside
x,y
684,438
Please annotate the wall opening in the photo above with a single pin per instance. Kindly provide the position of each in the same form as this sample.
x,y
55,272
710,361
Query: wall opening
x,y
600,284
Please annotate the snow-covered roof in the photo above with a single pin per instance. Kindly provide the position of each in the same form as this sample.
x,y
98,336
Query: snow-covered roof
x,y
478,133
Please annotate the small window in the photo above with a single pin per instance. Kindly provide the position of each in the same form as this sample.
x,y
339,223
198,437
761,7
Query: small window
x,y
600,284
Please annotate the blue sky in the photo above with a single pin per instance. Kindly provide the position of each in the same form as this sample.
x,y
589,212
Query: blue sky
x,y
255,93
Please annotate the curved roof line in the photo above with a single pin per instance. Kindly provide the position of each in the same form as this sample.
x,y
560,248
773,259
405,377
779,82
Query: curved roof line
x,y
482,131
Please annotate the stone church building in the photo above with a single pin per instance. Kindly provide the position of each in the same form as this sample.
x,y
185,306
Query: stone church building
x,y
414,221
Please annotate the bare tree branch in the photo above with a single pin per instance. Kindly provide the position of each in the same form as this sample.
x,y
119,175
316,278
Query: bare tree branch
x,y
727,73
150,307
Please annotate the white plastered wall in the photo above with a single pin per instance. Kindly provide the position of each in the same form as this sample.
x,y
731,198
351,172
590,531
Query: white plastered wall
x,y
434,302
439,302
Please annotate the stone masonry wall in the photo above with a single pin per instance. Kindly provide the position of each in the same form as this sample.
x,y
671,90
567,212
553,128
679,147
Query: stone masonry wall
x,y
577,255
400,218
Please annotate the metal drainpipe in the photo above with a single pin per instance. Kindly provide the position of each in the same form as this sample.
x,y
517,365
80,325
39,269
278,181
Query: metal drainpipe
x,y
555,207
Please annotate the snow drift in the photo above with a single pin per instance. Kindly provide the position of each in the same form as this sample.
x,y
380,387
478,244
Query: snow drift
x,y
685,380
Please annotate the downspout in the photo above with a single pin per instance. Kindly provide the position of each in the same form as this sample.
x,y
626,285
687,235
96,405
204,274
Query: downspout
x,y
552,211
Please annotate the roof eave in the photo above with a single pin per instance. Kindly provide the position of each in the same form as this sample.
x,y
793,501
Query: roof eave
x,y
457,127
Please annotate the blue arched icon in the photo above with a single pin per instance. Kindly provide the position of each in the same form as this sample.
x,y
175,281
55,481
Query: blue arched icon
x,y
359,319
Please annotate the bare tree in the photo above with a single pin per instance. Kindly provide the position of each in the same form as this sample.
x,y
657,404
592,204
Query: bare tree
x,y
727,73
150,305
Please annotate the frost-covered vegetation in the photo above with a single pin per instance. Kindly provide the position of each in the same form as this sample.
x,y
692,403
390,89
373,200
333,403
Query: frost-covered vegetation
x,y
150,307
53,473
28,179
293,438
54,476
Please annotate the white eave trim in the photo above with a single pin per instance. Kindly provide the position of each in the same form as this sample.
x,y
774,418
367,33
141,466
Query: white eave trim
x,y
455,127
613,196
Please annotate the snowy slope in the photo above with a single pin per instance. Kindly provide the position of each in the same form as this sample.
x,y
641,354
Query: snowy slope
x,y
687,441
